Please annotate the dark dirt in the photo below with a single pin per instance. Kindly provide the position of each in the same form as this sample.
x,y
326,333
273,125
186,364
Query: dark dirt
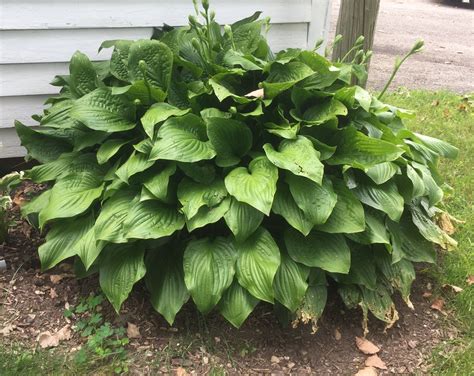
x,y
199,344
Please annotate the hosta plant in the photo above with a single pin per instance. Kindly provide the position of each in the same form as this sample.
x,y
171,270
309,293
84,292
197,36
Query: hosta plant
x,y
215,170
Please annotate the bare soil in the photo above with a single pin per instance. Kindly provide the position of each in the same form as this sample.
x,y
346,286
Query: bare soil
x,y
31,303
446,26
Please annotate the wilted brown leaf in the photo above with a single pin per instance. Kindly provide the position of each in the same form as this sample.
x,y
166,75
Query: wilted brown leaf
x,y
46,339
445,223
367,371
255,94
132,331
470,280
453,288
180,371
5,331
55,278
366,346
438,305
375,361
427,294
337,334
52,293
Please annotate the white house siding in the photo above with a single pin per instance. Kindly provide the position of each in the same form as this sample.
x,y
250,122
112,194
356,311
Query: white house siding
x,y
38,37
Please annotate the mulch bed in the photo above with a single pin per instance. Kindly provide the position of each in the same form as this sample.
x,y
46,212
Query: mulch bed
x,y
30,303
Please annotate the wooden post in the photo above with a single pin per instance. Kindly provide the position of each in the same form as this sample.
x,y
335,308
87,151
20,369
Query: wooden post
x,y
356,18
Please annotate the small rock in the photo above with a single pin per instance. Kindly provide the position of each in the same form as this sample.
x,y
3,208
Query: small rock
x,y
275,359
337,335
412,344
291,365
205,360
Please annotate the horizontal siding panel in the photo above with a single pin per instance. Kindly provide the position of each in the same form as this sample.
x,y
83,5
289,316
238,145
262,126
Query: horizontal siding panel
x,y
73,14
40,46
10,144
20,108
34,78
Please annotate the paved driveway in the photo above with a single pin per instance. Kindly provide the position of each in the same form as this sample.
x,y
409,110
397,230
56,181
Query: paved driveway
x,y
448,30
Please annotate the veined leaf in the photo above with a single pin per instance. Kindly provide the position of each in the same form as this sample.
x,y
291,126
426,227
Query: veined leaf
x,y
209,268
157,184
152,220
256,185
284,76
158,113
384,197
121,267
157,63
375,230
329,252
207,215
237,304
64,240
195,195
137,162
109,148
438,146
285,205
360,151
382,172
165,281
72,195
83,76
183,139
290,283
298,156
321,112
242,219
231,140
348,214
102,111
119,59
257,263
316,201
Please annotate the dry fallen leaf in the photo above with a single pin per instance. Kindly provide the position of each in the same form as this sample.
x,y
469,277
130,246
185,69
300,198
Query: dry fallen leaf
x,y
367,371
7,330
445,223
438,305
55,278
255,94
427,294
337,335
375,361
180,371
470,280
52,293
46,339
132,331
455,289
366,346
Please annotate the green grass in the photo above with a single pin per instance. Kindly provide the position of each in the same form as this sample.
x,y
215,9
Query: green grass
x,y
451,117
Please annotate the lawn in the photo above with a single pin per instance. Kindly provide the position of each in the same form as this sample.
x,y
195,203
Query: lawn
x,y
439,114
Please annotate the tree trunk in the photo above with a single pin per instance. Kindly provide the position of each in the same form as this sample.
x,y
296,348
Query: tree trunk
x,y
356,18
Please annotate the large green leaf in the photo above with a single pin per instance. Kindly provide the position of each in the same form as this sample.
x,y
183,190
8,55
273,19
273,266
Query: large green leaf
x,y
408,243
194,195
109,148
298,156
329,252
242,219
41,147
231,140
209,268
284,76
360,151
158,113
102,111
256,185
322,112
155,58
348,214
83,76
207,215
316,201
165,281
285,205
109,224
119,59
121,267
157,184
183,139
57,116
382,172
152,220
438,146
257,264
290,283
64,240
384,197
72,195
375,230
137,162
236,304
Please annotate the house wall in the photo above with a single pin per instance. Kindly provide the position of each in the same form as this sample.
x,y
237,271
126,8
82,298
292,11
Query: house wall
x,y
38,37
